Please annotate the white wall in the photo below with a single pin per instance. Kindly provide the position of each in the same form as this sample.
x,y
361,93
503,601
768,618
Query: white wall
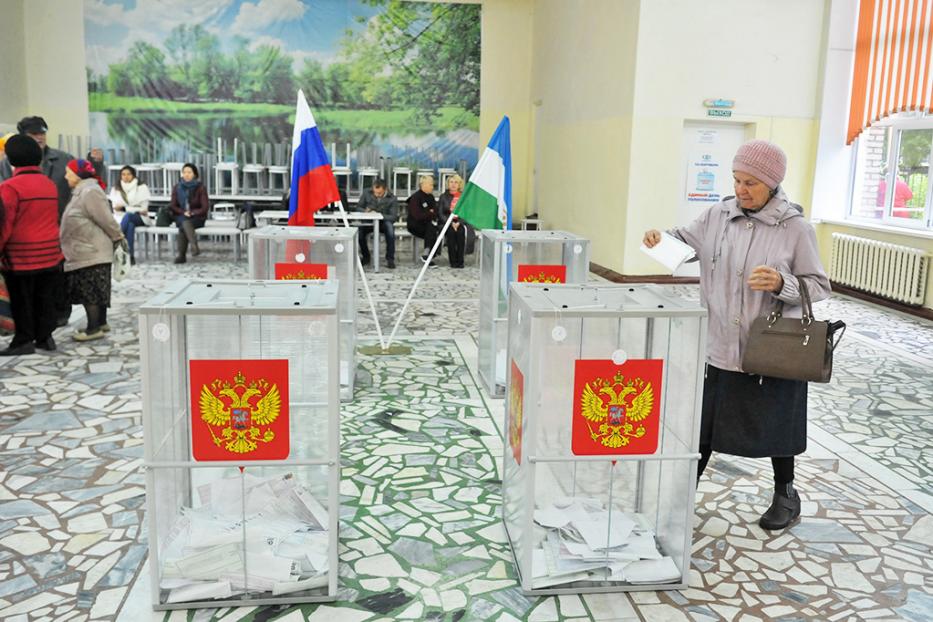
x,y
13,94
832,180
55,60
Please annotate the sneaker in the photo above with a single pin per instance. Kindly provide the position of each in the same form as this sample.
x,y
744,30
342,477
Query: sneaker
x,y
25,348
105,328
80,335
48,344
390,264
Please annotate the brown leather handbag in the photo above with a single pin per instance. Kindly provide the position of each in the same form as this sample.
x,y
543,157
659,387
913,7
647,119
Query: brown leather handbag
x,y
792,348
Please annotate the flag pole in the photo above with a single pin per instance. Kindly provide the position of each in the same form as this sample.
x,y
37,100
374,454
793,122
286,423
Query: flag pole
x,y
359,265
424,268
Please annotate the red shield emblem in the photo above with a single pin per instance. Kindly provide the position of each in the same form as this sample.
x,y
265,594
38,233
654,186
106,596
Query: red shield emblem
x,y
300,271
516,411
542,273
239,409
616,407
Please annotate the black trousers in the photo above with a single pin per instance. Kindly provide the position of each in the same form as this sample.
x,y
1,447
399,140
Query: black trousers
x,y
456,245
61,302
426,230
33,297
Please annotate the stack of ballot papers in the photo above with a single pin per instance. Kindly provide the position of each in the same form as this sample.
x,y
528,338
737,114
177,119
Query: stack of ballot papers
x,y
272,539
585,541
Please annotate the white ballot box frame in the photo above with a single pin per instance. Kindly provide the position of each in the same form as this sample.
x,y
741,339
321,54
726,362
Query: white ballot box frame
x,y
550,328
500,255
196,320
335,246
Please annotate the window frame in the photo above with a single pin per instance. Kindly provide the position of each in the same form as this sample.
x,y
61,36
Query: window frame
x,y
895,125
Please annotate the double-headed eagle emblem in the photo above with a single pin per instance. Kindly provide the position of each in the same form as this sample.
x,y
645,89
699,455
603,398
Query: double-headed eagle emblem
x,y
542,277
618,414
301,275
231,408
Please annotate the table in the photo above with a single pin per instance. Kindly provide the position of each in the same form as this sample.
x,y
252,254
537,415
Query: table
x,y
271,216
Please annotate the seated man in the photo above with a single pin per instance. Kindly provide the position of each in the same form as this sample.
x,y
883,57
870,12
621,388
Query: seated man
x,y
379,199
422,214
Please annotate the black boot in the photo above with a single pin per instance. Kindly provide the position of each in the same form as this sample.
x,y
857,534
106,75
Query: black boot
x,y
784,510
182,241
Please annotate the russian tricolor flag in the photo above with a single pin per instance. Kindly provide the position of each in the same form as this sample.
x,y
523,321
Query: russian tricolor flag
x,y
313,184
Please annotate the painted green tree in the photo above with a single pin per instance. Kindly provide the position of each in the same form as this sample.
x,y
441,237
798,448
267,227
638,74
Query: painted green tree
x,y
418,55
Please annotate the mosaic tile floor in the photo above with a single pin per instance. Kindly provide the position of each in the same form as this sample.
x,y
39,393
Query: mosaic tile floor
x,y
420,536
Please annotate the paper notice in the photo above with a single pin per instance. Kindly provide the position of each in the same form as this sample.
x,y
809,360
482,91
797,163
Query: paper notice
x,y
670,252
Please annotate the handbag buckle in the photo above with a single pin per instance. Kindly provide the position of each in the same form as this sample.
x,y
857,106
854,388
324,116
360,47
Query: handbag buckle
x,y
806,321
806,339
773,317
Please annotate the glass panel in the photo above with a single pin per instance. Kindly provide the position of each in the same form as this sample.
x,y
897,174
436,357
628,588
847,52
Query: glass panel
x,y
913,175
212,542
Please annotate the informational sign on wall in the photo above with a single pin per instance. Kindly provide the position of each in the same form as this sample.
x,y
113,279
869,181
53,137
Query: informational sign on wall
x,y
708,169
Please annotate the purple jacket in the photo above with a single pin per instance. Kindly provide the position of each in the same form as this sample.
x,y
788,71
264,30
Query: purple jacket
x,y
729,246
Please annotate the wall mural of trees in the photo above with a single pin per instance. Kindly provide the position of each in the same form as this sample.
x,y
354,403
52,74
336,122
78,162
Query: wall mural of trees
x,y
408,71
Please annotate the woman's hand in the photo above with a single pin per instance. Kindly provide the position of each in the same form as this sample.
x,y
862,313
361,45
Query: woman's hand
x,y
766,279
652,237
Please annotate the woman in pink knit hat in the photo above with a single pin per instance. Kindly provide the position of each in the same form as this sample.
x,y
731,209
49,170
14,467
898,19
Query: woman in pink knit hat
x,y
750,248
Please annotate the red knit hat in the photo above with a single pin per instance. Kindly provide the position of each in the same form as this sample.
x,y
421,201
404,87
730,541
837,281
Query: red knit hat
x,y
762,160
85,170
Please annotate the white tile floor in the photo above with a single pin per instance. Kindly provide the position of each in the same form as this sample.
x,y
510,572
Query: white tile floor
x,y
72,543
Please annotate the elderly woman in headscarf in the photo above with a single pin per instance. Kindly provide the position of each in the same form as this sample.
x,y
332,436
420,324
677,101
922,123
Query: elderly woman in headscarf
x,y
752,249
89,234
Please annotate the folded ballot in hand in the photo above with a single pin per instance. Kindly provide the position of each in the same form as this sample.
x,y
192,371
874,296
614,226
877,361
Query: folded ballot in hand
x,y
670,252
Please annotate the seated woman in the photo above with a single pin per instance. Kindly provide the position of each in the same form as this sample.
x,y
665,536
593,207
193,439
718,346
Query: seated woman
x,y
190,205
130,200
458,232
422,214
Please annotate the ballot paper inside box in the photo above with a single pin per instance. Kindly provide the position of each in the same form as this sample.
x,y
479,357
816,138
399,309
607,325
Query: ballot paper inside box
x,y
313,253
602,418
519,256
240,422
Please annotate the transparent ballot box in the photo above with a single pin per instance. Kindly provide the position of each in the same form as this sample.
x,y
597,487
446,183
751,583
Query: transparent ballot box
x,y
313,253
242,439
519,256
602,431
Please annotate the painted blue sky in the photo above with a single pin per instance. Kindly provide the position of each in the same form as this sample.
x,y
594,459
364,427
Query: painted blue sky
x,y
302,28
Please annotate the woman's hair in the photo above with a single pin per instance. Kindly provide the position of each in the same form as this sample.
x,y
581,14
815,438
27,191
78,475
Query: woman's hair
x,y
130,169
457,179
425,178
194,169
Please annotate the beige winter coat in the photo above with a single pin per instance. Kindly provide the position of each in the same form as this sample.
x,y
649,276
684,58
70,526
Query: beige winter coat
x,y
88,227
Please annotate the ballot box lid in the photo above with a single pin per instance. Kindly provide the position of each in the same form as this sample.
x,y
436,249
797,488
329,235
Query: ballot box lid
x,y
220,296
304,233
512,235
605,300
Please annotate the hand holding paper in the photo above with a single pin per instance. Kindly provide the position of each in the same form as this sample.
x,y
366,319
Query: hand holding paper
x,y
669,251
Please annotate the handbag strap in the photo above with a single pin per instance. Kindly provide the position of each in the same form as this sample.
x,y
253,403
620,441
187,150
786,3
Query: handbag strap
x,y
805,302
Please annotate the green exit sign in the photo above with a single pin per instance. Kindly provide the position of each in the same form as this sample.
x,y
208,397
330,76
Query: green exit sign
x,y
716,112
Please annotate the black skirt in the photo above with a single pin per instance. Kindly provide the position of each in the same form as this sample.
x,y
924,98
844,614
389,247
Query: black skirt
x,y
89,286
753,416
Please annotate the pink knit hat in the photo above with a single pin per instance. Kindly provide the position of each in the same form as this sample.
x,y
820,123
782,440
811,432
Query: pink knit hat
x,y
763,160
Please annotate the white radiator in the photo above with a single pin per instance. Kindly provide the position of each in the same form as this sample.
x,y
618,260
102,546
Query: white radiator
x,y
887,270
